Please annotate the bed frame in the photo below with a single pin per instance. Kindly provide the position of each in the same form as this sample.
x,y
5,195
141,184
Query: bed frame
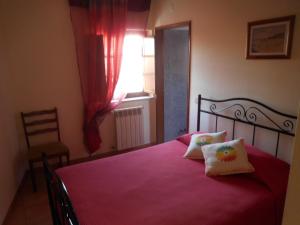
x,y
62,211
242,110
248,111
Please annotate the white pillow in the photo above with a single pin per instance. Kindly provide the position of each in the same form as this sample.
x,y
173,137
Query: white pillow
x,y
194,150
226,158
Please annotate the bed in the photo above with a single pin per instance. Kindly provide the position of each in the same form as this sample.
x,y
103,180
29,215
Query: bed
x,y
156,186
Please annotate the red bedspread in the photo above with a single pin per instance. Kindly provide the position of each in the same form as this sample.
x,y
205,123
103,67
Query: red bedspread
x,y
157,186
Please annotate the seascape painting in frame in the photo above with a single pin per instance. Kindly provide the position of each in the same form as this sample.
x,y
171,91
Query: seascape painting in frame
x,y
270,39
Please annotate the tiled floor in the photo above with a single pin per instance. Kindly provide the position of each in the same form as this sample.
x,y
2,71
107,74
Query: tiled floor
x,y
30,208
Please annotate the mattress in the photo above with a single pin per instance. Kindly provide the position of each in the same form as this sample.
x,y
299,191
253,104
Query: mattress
x,y
157,186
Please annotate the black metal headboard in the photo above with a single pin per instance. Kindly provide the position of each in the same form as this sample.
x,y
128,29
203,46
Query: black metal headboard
x,y
247,111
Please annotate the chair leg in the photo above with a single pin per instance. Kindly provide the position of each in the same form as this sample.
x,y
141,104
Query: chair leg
x,y
60,161
68,158
32,176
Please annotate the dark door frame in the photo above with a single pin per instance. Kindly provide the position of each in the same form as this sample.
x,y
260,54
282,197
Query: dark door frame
x,y
159,77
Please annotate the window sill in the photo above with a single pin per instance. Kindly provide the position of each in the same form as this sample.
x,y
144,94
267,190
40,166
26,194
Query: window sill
x,y
150,96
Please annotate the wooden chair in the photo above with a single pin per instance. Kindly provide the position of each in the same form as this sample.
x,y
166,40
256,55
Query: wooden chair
x,y
40,123
62,211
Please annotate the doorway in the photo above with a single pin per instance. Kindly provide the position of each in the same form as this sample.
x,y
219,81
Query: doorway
x,y
172,80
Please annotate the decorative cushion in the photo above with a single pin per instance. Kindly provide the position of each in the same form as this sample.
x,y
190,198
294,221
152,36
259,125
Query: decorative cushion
x,y
194,150
226,158
186,138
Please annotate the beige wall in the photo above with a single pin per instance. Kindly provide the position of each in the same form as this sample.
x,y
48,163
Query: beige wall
x,y
44,73
291,211
37,70
42,59
11,163
40,71
219,68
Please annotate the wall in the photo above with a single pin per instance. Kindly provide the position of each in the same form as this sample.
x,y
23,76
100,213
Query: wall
x,y
219,68
291,211
44,72
40,71
11,161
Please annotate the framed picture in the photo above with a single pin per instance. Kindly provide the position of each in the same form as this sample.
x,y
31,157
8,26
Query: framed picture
x,y
270,39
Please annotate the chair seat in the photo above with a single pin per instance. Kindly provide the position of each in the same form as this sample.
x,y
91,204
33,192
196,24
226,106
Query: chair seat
x,y
50,149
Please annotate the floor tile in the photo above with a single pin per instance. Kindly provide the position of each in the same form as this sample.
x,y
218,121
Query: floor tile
x,y
30,208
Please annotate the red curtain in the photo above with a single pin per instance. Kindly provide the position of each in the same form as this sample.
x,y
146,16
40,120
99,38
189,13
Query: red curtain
x,y
99,31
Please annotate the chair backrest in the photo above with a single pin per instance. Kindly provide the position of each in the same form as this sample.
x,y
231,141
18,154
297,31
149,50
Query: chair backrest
x,y
60,204
35,119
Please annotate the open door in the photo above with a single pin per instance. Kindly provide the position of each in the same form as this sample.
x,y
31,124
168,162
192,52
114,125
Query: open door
x,y
172,80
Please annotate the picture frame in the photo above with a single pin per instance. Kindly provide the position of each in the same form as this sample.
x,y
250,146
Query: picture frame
x,y
270,38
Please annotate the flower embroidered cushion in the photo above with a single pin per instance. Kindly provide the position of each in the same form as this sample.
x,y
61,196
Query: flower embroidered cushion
x,y
226,158
194,150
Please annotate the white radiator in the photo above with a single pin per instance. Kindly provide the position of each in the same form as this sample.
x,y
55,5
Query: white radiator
x,y
129,127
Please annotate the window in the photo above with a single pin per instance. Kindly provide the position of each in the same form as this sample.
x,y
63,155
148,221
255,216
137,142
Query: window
x,y
135,49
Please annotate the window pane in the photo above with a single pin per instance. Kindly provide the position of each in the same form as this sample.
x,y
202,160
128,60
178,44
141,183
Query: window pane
x,y
132,67
148,46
